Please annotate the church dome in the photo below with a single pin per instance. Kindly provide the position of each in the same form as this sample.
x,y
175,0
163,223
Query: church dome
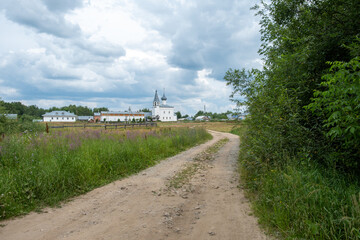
x,y
163,97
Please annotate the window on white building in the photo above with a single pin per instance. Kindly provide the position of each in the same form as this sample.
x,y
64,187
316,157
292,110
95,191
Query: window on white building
x,y
169,112
63,118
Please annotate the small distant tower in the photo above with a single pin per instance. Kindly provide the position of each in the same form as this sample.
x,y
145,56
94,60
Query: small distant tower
x,y
164,98
156,101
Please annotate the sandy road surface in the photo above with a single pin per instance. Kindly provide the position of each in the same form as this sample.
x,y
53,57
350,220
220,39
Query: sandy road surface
x,y
143,207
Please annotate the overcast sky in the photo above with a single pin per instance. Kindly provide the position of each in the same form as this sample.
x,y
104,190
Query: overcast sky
x,y
116,53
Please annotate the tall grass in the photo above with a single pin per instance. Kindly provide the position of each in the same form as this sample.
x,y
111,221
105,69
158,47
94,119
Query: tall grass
x,y
37,170
299,198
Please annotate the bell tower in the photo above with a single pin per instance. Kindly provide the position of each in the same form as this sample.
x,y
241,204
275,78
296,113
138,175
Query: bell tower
x,y
156,101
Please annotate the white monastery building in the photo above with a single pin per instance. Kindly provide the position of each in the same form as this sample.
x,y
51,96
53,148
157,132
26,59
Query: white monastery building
x,y
59,116
163,112
121,116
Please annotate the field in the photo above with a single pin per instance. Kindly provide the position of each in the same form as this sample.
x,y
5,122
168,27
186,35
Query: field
x,y
215,126
40,169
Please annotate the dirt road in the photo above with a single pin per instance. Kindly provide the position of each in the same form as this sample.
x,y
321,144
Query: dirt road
x,y
143,206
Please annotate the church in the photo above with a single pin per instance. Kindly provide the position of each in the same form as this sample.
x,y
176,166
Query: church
x,y
162,111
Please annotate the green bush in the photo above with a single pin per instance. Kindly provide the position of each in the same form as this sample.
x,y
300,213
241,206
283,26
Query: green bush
x,y
338,104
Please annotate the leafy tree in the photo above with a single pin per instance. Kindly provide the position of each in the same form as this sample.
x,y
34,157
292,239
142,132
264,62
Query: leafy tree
x,y
199,113
178,114
338,104
2,107
100,109
2,117
145,110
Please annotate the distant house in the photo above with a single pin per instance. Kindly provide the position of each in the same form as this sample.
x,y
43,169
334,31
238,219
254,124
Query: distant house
x,y
202,118
59,116
236,116
97,117
85,118
185,119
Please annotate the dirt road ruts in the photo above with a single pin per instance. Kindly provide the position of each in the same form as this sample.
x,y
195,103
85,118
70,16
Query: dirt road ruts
x,y
142,206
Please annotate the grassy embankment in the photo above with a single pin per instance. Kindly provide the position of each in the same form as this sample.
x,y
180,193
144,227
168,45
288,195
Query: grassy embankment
x,y
300,199
39,169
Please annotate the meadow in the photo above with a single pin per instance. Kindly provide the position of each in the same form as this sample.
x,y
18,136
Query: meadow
x,y
223,126
40,169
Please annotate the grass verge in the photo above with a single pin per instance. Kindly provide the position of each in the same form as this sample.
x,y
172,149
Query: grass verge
x,y
38,170
300,199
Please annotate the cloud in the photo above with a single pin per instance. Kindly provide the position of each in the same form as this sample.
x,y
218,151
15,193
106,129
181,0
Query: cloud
x,y
63,5
8,91
116,53
208,34
37,15
102,48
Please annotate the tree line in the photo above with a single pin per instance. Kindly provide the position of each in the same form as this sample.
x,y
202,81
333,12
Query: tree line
x,y
28,113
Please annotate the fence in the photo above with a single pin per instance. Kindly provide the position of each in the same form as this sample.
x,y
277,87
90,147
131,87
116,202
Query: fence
x,y
105,126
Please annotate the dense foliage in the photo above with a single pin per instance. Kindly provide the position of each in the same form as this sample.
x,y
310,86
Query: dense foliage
x,y
42,169
13,125
306,99
304,113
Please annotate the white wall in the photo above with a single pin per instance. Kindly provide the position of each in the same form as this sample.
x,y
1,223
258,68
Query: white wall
x,y
59,119
156,111
122,118
166,114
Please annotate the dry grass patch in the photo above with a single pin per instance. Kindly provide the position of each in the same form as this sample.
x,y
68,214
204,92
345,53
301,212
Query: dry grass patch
x,y
215,126
184,176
